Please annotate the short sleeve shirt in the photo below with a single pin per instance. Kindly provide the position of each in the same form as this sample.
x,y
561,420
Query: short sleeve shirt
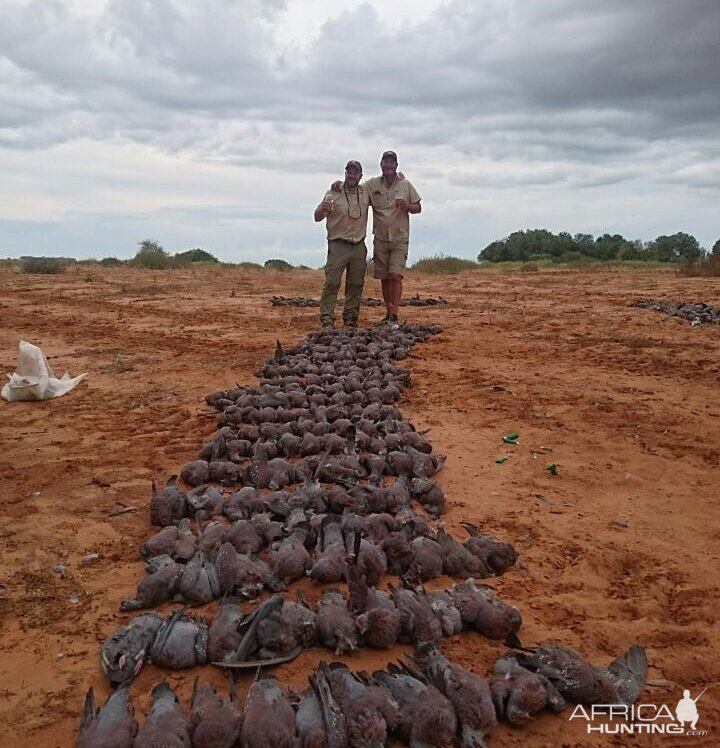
x,y
348,218
389,223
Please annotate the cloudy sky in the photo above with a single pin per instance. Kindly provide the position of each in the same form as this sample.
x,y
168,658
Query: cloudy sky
x,y
220,123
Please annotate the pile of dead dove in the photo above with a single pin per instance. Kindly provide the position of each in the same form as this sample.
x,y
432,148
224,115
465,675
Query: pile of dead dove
x,y
315,472
302,301
695,313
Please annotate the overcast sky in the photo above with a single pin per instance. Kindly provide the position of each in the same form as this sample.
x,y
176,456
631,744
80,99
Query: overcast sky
x,y
220,123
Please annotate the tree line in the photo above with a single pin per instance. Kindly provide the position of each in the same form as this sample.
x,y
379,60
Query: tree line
x,y
540,244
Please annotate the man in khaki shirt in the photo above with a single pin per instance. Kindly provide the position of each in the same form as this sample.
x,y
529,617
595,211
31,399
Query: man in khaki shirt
x,y
346,214
392,198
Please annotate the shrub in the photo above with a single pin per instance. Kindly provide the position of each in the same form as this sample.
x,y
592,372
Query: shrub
x,y
111,262
196,255
277,265
151,256
247,266
45,265
443,265
708,266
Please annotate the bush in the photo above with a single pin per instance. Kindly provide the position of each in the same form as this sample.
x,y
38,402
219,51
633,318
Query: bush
x,y
151,256
111,262
45,265
708,267
278,265
247,266
443,265
196,255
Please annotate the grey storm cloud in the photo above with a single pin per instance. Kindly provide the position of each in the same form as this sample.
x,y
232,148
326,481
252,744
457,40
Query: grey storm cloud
x,y
573,80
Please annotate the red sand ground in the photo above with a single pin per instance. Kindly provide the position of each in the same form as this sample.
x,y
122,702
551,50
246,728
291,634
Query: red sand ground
x,y
624,548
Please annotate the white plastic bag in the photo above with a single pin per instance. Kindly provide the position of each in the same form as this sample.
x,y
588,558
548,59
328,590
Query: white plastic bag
x,y
34,379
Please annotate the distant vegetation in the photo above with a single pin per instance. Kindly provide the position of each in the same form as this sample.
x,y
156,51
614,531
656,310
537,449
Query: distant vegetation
x,y
542,245
443,264
44,265
196,255
277,265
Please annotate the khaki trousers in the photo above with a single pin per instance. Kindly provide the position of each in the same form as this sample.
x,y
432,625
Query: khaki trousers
x,y
351,259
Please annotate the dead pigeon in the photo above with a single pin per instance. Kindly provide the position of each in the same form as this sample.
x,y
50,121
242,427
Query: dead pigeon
x,y
427,718
162,543
329,563
484,612
215,722
397,495
371,561
180,642
111,726
291,560
199,582
497,557
379,624
309,722
369,710
290,626
579,681
168,507
447,614
336,625
224,635
268,720
124,652
186,544
429,494
240,574
467,692
196,472
427,561
418,622
244,503
166,724
243,536
519,694
458,561
159,585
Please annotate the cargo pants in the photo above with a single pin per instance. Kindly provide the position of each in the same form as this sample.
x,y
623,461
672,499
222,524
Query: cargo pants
x,y
351,259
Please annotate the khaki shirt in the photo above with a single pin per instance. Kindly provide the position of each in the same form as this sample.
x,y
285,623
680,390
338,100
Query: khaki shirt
x,y
348,219
389,223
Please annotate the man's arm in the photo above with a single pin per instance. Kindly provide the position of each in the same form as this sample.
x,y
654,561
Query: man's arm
x,y
322,211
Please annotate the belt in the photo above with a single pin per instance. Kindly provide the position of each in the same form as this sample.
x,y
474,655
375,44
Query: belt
x,y
349,243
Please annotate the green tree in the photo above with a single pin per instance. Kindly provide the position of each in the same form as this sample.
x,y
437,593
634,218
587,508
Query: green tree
x,y
151,256
196,255
278,265
679,247
716,249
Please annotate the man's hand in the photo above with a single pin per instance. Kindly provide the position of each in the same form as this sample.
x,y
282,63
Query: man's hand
x,y
336,186
401,204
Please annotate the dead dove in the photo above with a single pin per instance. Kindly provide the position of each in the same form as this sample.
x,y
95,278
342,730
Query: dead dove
x,y
429,494
168,507
484,612
215,722
369,710
199,582
497,557
336,625
180,642
124,652
159,585
111,726
224,635
418,622
467,692
268,719
243,536
427,718
166,724
519,694
162,543
290,626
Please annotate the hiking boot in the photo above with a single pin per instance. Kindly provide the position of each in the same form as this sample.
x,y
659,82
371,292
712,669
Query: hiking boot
x,y
392,319
350,323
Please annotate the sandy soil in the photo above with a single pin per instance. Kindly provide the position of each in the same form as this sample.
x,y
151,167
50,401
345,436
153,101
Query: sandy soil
x,y
620,547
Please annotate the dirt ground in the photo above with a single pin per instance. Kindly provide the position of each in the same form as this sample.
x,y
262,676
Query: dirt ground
x,y
620,547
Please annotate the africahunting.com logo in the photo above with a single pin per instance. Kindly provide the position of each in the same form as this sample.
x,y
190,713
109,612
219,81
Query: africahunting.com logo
x,y
643,719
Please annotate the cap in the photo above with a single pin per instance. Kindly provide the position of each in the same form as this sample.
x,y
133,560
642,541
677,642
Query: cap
x,y
389,154
353,165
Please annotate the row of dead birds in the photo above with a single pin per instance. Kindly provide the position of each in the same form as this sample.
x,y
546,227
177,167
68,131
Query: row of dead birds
x,y
278,629
276,539
425,701
303,301
694,312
